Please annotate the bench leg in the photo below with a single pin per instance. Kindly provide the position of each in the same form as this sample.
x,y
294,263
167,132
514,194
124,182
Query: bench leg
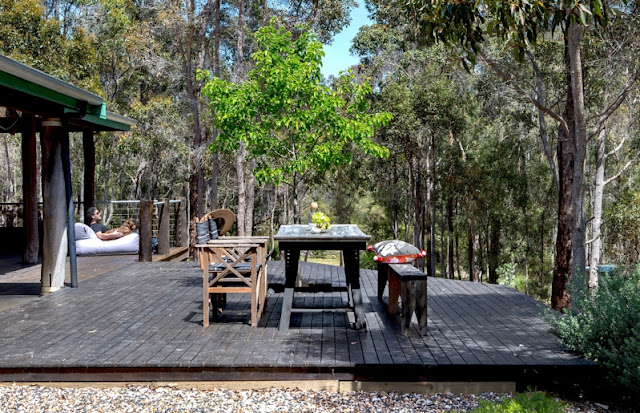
x,y
421,305
408,305
383,270
394,293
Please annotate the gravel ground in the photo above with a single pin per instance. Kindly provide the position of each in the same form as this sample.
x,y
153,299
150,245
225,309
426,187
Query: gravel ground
x,y
36,398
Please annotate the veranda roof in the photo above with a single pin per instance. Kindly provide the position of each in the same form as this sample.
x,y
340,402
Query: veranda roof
x,y
23,88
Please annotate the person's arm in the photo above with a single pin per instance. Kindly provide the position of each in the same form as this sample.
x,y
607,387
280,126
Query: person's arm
x,y
108,237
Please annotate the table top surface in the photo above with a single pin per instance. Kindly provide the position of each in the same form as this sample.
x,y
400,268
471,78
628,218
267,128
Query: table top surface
x,y
337,233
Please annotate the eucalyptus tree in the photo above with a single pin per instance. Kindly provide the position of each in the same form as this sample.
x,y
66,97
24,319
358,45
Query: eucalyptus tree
x,y
466,25
292,124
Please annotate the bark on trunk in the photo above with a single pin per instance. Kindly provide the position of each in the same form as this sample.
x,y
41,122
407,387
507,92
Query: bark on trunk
x,y
251,195
89,149
450,254
215,167
471,253
580,151
598,192
417,206
12,186
241,152
493,253
242,195
394,212
560,298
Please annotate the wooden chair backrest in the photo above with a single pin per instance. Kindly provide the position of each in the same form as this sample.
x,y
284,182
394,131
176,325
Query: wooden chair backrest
x,y
224,217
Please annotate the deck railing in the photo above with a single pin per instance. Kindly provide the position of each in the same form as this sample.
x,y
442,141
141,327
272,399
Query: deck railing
x,y
168,220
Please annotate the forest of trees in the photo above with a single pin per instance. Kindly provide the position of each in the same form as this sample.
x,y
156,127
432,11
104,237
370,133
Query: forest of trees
x,y
510,127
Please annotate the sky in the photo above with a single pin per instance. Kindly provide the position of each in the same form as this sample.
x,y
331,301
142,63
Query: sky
x,y
337,56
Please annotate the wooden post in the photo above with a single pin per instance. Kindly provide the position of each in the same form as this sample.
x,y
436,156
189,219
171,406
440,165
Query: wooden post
x,y
71,234
164,245
30,190
181,229
89,149
145,218
54,245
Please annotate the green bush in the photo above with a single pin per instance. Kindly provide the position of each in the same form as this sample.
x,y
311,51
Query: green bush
x,y
366,260
606,328
535,402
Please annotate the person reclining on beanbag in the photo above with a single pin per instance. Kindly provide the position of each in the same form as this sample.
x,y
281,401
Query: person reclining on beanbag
x,y
100,229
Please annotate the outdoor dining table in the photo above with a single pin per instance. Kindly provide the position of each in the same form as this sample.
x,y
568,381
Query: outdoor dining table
x,y
348,238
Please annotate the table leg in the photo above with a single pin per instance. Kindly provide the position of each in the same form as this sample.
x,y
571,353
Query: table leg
x,y
292,258
352,272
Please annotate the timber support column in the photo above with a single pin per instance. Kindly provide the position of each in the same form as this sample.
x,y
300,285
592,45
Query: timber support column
x,y
89,149
54,245
30,190
145,219
182,226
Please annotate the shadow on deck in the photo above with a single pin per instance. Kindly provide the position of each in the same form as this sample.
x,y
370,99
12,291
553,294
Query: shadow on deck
x,y
131,321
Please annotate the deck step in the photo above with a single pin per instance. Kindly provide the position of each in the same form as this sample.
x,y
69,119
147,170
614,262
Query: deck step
x,y
176,254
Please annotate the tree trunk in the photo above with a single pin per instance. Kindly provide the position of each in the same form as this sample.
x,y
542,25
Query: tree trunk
x,y
215,166
89,149
241,153
598,192
471,252
417,205
394,203
493,253
251,195
30,190
242,196
450,254
294,194
580,150
12,185
239,70
560,298
433,206
443,245
526,255
197,181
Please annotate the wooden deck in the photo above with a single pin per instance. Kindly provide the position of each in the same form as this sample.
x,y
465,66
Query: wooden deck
x,y
131,321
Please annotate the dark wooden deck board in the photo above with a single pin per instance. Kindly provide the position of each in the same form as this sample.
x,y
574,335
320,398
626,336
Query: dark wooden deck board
x,y
149,315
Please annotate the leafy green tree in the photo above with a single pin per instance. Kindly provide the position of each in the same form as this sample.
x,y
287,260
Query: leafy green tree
x,y
293,125
28,36
466,25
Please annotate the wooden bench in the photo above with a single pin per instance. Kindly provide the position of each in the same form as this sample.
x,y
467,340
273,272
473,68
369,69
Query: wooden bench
x,y
409,283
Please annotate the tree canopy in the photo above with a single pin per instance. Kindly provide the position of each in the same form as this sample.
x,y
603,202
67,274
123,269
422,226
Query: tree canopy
x,y
293,124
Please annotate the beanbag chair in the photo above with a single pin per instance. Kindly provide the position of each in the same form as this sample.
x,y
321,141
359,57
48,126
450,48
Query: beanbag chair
x,y
88,243
395,252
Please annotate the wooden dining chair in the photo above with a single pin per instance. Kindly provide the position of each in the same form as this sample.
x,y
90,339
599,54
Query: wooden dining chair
x,y
230,265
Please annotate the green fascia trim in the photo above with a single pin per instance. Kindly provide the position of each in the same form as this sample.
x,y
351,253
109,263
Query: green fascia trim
x,y
33,89
110,124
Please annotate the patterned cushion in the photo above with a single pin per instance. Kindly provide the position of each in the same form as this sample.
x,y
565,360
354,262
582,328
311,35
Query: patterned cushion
x,y
202,232
213,229
240,267
395,252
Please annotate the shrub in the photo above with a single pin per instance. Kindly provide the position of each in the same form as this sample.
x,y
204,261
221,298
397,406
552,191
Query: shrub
x,y
606,328
366,260
523,402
